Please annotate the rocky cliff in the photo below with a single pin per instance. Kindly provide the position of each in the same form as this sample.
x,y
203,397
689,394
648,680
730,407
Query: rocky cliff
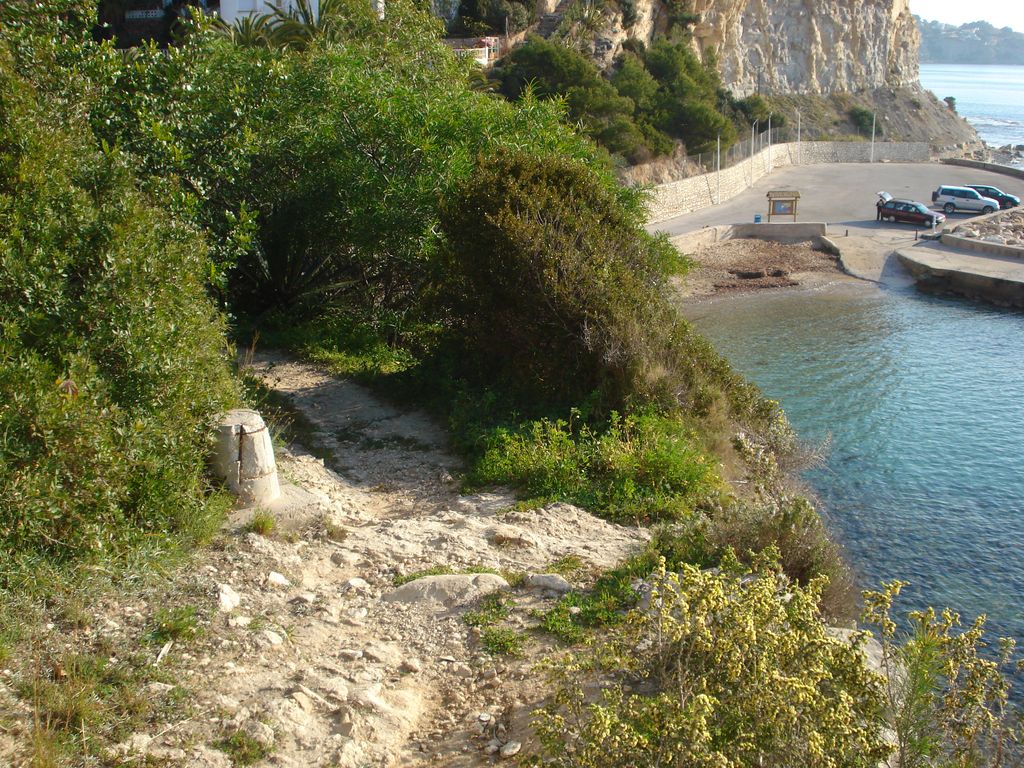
x,y
809,46
819,57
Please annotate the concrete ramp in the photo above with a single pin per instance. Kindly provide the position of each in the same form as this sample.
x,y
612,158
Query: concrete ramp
x,y
993,279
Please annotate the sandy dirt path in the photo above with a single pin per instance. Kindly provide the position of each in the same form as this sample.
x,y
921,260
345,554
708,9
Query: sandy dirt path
x,y
306,647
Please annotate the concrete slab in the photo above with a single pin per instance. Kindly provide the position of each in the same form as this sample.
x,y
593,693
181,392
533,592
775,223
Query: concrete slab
x,y
989,278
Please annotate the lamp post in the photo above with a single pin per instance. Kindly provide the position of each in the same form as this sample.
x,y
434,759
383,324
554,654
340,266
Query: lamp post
x,y
872,137
799,149
753,125
718,170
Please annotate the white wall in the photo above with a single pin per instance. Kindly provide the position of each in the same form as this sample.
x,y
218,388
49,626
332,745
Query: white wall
x,y
232,10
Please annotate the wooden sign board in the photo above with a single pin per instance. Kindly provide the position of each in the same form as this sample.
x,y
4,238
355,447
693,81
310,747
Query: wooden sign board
x,y
783,202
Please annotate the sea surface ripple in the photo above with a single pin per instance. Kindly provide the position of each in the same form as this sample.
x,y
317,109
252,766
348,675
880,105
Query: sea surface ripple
x,y
922,399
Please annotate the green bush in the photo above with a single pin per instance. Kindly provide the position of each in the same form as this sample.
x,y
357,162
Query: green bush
x,y
687,105
652,97
864,120
948,687
317,170
555,284
640,468
112,357
718,671
486,17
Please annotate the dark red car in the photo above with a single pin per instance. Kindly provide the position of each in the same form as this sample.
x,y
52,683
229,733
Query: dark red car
x,y
909,211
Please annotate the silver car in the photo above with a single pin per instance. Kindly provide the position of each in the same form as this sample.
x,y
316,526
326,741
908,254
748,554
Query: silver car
x,y
963,199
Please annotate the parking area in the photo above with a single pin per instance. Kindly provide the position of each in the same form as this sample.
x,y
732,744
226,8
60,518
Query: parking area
x,y
843,195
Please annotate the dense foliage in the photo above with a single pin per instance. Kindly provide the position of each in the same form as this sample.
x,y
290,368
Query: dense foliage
x,y
493,17
653,98
319,170
112,356
337,183
718,671
554,284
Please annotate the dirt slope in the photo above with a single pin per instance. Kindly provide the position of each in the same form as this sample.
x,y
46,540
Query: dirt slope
x,y
307,650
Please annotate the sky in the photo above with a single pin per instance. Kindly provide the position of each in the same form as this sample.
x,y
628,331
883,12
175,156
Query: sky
x,y
999,13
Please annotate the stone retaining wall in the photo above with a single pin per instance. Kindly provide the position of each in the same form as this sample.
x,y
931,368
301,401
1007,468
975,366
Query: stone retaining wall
x,y
1006,170
956,237
981,246
698,192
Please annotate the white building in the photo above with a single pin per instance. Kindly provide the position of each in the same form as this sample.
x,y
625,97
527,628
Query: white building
x,y
232,10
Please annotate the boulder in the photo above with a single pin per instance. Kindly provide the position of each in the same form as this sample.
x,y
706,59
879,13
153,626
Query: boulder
x,y
447,591
547,581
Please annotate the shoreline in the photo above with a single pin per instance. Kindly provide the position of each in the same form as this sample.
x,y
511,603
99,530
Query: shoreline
x,y
747,266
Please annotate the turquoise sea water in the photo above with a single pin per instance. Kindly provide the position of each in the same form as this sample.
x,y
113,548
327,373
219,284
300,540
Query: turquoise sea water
x,y
923,401
991,98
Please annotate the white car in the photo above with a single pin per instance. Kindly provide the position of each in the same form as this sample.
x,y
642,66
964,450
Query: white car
x,y
963,199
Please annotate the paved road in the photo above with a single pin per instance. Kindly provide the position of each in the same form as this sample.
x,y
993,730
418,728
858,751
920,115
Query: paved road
x,y
843,195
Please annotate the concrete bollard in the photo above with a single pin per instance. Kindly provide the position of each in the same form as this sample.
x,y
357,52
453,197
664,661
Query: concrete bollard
x,y
245,457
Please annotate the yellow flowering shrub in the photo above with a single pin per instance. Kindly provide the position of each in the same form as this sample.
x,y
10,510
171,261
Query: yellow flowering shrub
x,y
717,670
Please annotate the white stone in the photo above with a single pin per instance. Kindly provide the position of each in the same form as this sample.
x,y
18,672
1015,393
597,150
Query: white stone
x,y
357,585
227,598
335,688
511,748
245,457
549,581
271,637
447,591
304,701
382,653
278,579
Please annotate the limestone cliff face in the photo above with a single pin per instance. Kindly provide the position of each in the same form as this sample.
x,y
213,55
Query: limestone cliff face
x,y
805,46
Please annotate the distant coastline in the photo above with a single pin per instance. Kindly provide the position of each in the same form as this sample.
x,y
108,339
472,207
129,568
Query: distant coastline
x,y
976,43
990,98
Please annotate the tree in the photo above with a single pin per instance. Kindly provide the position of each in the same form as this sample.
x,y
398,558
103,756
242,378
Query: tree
x,y
556,287
113,358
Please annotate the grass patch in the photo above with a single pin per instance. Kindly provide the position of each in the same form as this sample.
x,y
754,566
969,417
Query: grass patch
x,y
180,623
347,346
502,641
243,749
570,566
496,640
493,608
604,605
638,468
84,702
262,523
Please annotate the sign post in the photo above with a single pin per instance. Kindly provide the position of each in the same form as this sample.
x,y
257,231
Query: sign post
x,y
782,202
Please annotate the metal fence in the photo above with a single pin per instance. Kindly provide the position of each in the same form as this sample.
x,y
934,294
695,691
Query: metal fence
x,y
756,140
746,146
